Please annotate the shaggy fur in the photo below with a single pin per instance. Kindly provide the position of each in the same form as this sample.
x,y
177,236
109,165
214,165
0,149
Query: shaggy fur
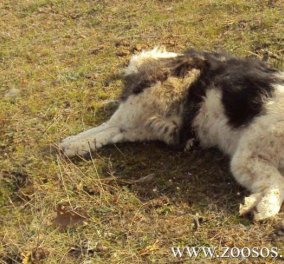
x,y
235,104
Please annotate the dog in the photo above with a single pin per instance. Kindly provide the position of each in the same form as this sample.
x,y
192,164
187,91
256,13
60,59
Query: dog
x,y
210,98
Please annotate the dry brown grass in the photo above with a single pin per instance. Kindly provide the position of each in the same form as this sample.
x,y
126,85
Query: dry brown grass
x,y
56,61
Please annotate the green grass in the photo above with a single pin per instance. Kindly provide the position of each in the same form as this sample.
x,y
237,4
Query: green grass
x,y
57,59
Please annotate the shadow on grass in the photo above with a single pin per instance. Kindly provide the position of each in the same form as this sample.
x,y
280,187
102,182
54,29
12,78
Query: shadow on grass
x,y
198,178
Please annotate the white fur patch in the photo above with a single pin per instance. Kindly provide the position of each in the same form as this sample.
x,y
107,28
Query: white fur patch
x,y
156,53
211,124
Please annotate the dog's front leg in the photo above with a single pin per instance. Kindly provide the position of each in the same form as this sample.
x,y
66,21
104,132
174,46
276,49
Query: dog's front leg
x,y
126,124
89,140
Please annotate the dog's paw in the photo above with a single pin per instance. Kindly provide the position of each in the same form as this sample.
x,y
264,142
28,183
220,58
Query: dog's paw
x,y
249,203
262,205
189,144
71,148
68,139
269,205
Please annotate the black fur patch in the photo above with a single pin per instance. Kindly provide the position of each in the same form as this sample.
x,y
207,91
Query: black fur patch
x,y
159,70
148,74
245,83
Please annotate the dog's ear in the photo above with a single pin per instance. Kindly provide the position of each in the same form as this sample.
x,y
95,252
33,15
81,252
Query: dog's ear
x,y
181,65
149,73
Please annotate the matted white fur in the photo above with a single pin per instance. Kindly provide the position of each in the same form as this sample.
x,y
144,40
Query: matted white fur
x,y
156,53
256,150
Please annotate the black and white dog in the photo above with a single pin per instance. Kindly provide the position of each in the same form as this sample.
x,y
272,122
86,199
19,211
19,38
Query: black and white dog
x,y
236,104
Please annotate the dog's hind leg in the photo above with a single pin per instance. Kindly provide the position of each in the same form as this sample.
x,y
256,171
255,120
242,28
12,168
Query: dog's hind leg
x,y
264,181
255,166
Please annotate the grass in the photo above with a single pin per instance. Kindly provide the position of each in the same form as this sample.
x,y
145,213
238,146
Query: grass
x,y
56,62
